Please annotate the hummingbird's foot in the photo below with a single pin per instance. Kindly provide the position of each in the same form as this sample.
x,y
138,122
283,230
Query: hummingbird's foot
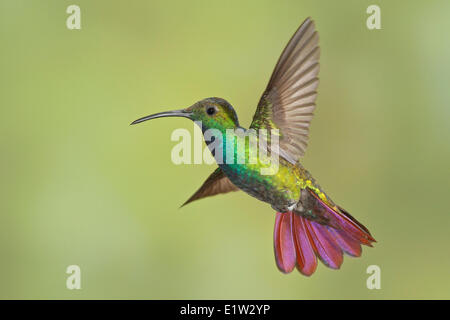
x,y
284,208
308,207
290,208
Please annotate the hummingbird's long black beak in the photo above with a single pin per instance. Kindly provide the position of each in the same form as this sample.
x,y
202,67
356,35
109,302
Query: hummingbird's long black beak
x,y
175,113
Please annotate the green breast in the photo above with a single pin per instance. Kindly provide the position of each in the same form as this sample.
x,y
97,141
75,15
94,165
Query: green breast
x,y
270,180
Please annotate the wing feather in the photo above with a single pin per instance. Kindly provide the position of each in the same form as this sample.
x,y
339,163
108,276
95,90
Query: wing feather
x,y
288,103
216,183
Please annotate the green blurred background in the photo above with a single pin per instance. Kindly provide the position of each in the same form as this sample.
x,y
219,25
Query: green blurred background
x,y
80,186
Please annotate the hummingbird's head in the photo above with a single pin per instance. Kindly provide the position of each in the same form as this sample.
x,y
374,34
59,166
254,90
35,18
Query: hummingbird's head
x,y
213,113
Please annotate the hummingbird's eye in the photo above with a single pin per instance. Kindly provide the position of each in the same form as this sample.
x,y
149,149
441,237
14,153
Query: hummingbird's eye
x,y
211,111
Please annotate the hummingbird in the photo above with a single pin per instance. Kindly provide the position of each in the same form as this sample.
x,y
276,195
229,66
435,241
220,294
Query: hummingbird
x,y
309,226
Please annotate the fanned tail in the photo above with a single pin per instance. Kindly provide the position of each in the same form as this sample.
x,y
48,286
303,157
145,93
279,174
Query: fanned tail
x,y
298,241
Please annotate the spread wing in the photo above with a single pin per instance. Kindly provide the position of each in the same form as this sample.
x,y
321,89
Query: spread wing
x,y
216,183
288,102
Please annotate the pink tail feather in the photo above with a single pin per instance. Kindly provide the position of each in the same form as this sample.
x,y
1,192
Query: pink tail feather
x,y
299,241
